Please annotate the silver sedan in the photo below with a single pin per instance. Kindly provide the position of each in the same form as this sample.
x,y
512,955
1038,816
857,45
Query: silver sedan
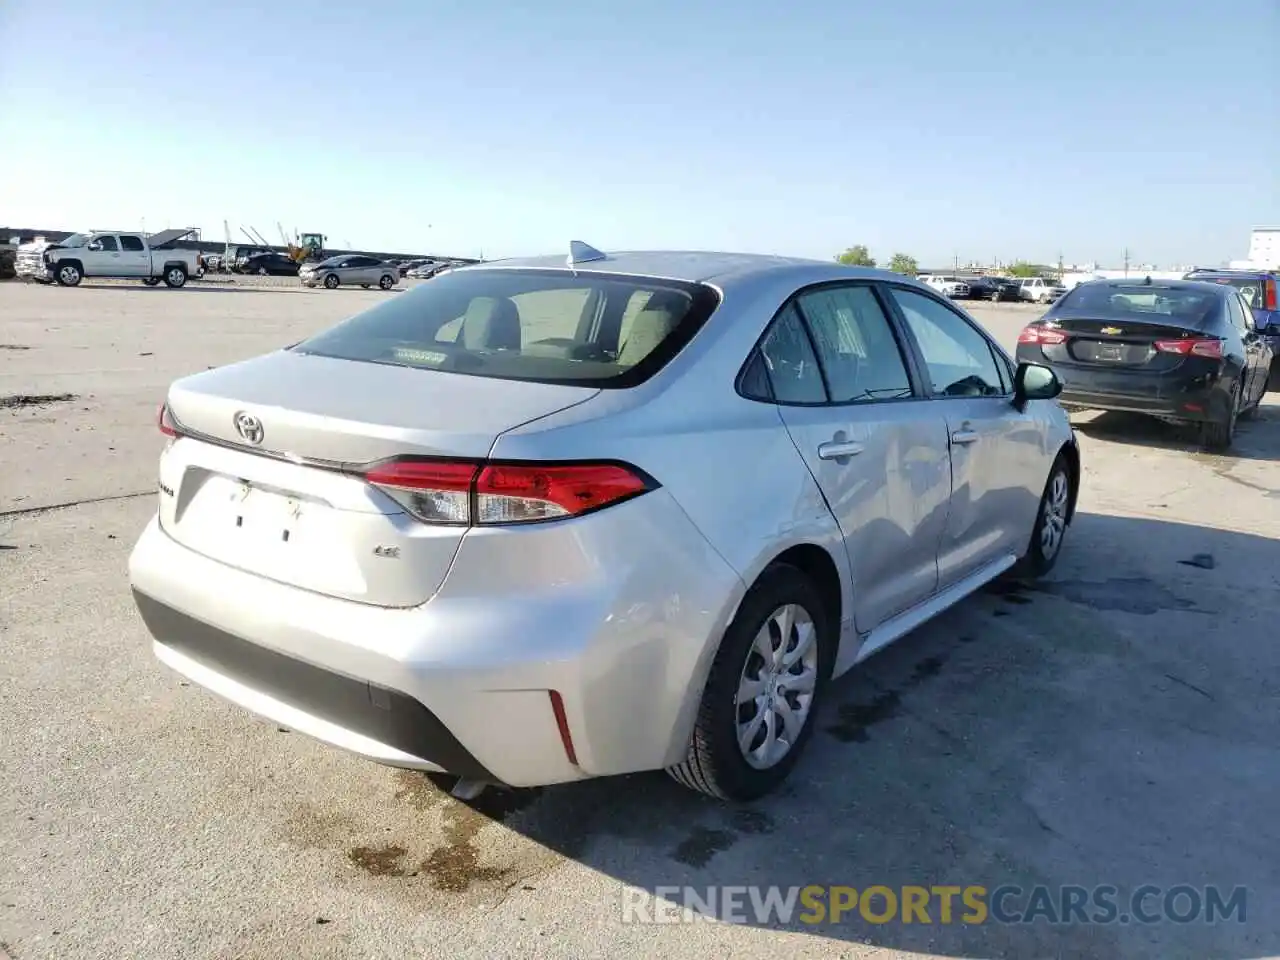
x,y
350,270
538,521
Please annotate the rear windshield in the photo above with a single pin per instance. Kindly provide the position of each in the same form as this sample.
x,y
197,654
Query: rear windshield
x,y
550,326
1112,300
1250,288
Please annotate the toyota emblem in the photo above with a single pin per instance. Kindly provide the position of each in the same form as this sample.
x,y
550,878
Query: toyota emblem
x,y
249,427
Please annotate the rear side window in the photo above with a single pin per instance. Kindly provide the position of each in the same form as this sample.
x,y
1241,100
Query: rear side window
x,y
543,325
132,244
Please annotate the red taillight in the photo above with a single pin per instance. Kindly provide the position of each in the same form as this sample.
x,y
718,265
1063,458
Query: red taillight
x,y
1192,347
463,493
1269,295
164,420
1041,335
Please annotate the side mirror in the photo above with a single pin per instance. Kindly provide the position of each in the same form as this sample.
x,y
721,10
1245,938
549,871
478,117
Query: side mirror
x,y
1034,381
94,245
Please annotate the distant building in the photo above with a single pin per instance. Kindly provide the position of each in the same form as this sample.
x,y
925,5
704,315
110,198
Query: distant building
x,y
1264,249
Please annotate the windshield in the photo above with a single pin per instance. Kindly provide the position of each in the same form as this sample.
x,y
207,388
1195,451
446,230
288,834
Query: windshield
x,y
75,240
1107,301
549,326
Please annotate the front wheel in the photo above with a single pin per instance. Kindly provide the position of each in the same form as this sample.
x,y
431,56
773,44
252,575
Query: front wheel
x,y
387,281
1051,523
69,275
757,709
331,281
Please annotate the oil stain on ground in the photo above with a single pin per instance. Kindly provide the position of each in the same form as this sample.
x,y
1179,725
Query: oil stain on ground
x,y
20,400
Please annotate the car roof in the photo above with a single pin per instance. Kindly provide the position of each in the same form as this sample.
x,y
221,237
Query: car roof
x,y
696,266
1244,274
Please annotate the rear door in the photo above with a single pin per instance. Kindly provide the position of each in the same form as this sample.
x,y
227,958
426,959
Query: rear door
x,y
876,448
1255,377
998,457
134,261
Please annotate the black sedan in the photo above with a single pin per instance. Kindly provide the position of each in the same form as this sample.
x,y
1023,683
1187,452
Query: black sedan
x,y
1176,349
269,264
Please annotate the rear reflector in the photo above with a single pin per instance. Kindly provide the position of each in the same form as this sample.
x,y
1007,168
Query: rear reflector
x,y
562,722
1044,335
1192,347
441,491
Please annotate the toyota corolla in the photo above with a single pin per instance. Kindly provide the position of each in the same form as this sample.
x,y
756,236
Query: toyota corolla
x,y
549,519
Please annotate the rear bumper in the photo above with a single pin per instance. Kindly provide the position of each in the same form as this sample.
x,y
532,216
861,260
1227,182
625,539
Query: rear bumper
x,y
1176,395
623,631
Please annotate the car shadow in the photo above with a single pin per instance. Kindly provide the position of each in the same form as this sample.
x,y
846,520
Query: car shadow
x,y
1114,724
1251,443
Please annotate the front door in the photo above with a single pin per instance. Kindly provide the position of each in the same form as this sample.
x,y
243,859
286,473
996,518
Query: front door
x,y
998,461
101,256
875,446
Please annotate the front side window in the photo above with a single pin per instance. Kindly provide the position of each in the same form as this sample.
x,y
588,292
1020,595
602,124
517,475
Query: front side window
x,y
542,325
958,358
106,243
856,346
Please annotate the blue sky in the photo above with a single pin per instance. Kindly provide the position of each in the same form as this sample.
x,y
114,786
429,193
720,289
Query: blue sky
x,y
979,130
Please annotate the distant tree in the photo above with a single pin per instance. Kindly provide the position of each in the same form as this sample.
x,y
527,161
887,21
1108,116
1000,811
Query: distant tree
x,y
904,263
1024,269
857,256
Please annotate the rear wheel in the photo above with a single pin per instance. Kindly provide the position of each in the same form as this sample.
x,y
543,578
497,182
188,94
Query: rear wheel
x,y
331,281
1220,433
1051,523
757,710
175,276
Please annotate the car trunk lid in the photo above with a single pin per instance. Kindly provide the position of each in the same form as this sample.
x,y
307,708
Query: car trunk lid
x,y
1128,343
293,506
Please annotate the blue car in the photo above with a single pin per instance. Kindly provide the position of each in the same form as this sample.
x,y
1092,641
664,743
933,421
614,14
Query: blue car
x,y
1259,289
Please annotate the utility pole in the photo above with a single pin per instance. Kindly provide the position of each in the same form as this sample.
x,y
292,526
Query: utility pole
x,y
1126,261
1061,272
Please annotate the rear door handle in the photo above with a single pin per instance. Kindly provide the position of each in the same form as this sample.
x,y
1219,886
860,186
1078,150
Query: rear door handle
x,y
964,436
838,449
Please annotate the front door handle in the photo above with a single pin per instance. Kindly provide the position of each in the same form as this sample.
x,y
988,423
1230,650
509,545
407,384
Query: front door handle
x,y
838,449
964,436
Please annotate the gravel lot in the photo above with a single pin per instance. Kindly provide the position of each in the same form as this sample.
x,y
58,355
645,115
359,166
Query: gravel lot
x,y
1118,724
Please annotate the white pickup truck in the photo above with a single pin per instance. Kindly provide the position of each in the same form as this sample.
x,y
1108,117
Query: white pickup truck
x,y
110,254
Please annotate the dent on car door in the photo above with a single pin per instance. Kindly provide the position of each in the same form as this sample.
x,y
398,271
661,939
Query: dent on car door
x,y
999,456
877,451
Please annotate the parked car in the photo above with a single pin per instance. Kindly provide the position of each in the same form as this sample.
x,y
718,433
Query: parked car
x,y
428,269
1040,289
270,264
407,265
1258,287
980,288
468,531
1004,288
350,268
107,254
952,287
1181,350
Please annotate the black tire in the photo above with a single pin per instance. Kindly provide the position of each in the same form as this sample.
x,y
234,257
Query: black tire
x,y
1219,434
175,276
386,281
715,765
364,286
152,281
331,282
68,274
1055,508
